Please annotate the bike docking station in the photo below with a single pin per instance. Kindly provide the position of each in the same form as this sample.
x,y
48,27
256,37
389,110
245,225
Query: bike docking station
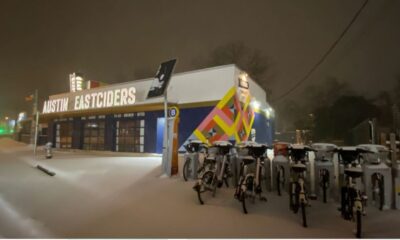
x,y
280,167
346,156
225,157
299,179
194,156
268,173
215,170
377,175
298,150
324,171
246,153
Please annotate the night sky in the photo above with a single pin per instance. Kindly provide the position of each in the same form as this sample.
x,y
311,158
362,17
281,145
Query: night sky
x,y
42,42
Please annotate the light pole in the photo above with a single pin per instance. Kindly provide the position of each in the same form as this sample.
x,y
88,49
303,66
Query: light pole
x,y
372,129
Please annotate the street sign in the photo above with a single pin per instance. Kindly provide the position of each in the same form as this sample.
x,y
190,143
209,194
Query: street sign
x,y
161,80
173,112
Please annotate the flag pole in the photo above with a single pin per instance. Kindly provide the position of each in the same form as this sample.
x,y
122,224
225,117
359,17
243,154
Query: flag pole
x,y
166,151
36,113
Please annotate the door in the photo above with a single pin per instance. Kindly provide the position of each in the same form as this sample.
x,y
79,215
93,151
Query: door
x,y
160,134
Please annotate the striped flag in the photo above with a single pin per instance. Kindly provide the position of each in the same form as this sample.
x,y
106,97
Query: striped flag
x,y
29,98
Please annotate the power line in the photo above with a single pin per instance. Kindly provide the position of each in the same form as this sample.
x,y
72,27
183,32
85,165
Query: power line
x,y
324,56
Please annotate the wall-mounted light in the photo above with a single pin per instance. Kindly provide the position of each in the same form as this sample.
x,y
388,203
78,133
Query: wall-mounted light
x,y
255,104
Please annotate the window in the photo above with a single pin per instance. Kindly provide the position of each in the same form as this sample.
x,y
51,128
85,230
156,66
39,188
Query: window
x,y
64,134
93,135
130,136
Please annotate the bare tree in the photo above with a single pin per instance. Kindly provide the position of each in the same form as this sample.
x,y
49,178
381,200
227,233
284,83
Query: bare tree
x,y
253,61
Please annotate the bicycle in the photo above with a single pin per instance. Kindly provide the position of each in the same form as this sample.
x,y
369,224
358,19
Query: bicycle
x,y
297,190
249,184
195,149
214,171
353,200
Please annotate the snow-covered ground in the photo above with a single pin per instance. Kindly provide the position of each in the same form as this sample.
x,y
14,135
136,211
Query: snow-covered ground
x,y
102,195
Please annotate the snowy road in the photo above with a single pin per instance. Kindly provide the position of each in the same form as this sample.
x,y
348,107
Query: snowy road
x,y
116,195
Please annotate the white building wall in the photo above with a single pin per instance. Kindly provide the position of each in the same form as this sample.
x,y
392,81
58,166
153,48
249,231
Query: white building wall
x,y
203,85
255,90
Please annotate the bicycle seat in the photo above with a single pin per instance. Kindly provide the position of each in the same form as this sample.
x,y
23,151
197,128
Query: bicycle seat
x,y
224,147
255,149
247,160
194,146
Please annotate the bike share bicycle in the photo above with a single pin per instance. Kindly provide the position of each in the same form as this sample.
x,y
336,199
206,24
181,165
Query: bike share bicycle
x,y
353,200
297,190
196,153
249,185
215,170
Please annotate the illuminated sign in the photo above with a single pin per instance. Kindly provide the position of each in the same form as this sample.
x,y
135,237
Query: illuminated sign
x,y
243,82
76,82
110,98
173,112
94,100
56,105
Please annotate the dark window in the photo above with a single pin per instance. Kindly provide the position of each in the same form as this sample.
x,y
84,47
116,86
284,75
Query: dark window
x,y
93,135
130,136
64,134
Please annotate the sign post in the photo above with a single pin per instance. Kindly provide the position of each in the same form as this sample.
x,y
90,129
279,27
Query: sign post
x,y
159,88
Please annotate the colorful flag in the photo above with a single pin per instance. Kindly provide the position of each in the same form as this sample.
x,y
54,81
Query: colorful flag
x,y
29,98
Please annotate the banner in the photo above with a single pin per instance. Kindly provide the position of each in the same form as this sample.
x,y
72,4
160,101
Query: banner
x,y
161,79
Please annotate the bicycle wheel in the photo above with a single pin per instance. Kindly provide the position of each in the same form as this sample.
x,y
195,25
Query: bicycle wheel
x,y
294,197
358,220
214,186
346,206
199,195
187,170
278,182
243,200
207,180
303,213
296,201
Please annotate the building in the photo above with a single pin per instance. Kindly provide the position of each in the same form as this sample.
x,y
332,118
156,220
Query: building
x,y
219,103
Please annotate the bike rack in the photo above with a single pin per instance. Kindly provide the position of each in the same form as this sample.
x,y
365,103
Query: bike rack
x,y
319,166
385,171
281,161
194,162
324,151
372,166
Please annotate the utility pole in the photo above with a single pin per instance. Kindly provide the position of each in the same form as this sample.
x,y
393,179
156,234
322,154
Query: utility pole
x,y
393,147
35,122
372,130
166,136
